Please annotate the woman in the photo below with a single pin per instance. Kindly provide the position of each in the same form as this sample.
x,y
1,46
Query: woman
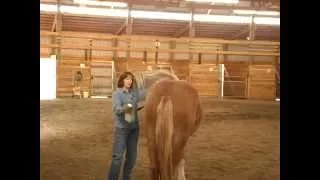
x,y
125,108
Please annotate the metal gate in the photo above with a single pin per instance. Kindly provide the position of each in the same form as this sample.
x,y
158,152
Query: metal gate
x,y
235,80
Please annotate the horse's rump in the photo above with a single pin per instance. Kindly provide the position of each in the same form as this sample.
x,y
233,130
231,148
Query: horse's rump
x,y
172,114
185,101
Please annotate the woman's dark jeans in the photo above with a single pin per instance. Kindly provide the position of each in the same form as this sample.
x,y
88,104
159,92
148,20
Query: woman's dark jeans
x,y
124,139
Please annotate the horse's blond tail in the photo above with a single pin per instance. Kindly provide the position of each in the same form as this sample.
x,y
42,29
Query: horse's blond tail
x,y
164,138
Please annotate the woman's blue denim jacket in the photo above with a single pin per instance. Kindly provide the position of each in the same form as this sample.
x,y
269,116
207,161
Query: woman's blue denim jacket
x,y
121,97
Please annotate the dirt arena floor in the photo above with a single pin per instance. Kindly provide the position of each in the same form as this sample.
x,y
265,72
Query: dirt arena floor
x,y
237,140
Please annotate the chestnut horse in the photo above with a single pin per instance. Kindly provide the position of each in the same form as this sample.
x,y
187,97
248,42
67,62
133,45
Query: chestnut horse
x,y
172,113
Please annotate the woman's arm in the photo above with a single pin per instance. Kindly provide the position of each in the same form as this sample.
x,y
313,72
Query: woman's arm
x,y
116,103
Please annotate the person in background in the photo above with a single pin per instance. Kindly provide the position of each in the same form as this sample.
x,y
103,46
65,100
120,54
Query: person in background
x,y
125,101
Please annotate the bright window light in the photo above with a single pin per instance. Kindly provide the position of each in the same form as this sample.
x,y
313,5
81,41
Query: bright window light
x,y
48,8
159,15
222,18
47,78
267,21
94,11
215,1
254,12
101,3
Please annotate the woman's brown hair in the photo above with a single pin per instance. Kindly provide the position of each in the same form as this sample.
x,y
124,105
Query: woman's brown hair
x,y
123,76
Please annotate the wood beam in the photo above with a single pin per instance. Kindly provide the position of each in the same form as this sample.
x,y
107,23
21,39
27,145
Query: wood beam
x,y
243,53
245,31
54,23
101,36
181,31
53,29
123,26
252,31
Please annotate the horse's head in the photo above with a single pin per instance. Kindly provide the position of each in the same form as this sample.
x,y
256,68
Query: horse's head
x,y
145,79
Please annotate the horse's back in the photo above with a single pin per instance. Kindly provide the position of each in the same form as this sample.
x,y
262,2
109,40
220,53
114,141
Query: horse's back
x,y
174,89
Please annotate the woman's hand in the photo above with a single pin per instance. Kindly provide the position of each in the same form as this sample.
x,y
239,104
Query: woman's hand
x,y
127,108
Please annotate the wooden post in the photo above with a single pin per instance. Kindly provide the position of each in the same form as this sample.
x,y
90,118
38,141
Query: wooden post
x,y
252,31
88,64
128,31
217,56
277,74
145,56
191,34
225,60
199,58
252,27
172,45
85,55
156,53
90,53
58,41
59,28
114,53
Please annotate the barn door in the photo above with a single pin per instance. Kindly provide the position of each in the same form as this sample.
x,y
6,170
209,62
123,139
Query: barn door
x,y
102,74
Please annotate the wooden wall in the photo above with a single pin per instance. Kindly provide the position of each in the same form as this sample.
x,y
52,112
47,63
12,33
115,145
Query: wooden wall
x,y
262,82
204,77
195,60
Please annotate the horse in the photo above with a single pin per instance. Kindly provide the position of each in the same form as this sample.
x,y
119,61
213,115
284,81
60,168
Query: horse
x,y
172,114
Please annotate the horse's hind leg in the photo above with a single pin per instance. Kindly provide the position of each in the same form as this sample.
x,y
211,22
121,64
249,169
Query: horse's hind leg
x,y
181,173
154,170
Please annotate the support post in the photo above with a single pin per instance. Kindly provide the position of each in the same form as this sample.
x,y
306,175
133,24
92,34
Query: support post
x,y
58,29
191,33
172,45
252,31
252,27
128,31
157,45
199,58
221,81
145,55
114,53
58,41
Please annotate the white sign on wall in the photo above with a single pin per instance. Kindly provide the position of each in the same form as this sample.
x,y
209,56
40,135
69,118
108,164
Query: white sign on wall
x,y
47,78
